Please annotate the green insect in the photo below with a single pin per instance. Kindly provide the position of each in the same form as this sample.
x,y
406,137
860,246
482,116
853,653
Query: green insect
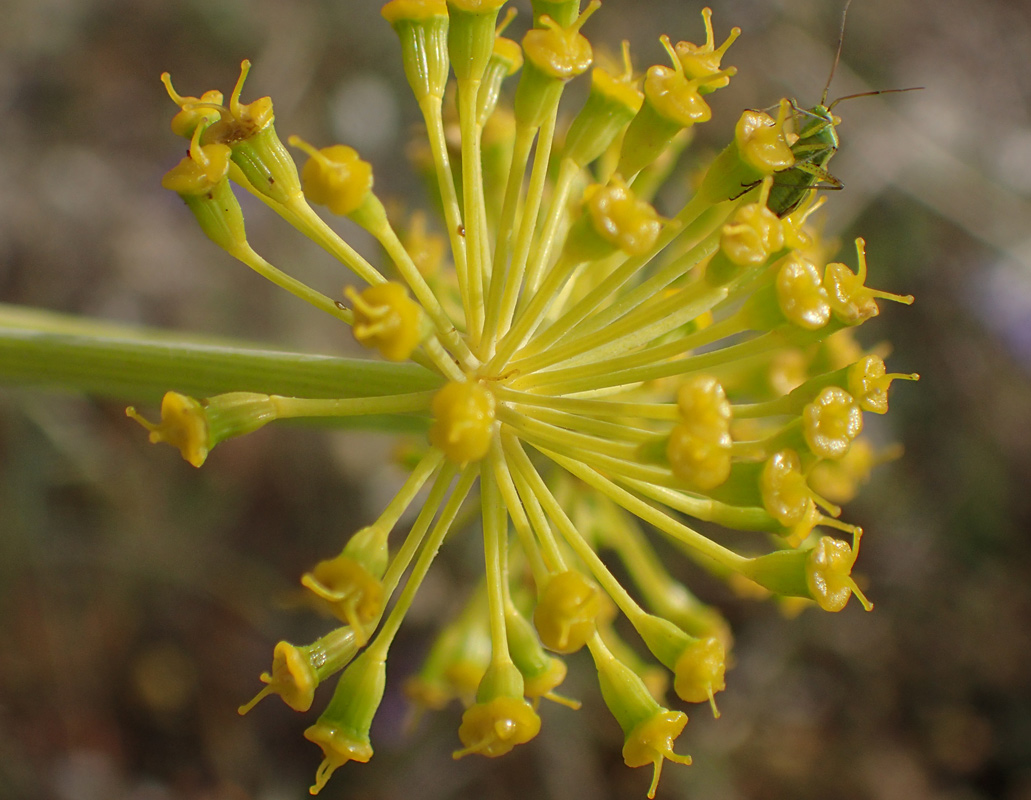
x,y
815,146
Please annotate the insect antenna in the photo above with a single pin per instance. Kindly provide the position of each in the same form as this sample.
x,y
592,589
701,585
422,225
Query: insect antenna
x,y
872,93
837,54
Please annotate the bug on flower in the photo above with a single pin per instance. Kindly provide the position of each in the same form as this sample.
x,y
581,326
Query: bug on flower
x,y
604,373
816,144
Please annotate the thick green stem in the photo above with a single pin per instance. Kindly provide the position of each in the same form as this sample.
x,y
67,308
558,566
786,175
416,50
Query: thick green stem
x,y
42,348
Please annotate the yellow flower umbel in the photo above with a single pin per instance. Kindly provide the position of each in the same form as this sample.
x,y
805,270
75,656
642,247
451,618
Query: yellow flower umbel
x,y
604,371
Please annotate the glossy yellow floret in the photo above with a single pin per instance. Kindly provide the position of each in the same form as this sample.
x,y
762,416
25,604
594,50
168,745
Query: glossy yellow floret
x,y
675,96
183,425
761,140
620,218
800,294
831,422
852,301
829,574
702,462
651,742
622,89
493,728
387,319
753,233
868,382
703,405
463,421
194,111
699,672
204,167
335,177
339,745
567,611
292,677
785,493
559,52
699,61
348,591
242,120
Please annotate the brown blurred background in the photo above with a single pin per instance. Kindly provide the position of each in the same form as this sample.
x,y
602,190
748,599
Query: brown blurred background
x,y
139,599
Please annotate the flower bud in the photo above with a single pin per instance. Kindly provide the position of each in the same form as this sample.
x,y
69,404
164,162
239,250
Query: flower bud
x,y
463,421
554,54
567,611
387,319
494,727
697,664
541,672
335,177
193,111
868,382
802,300
614,220
200,180
831,422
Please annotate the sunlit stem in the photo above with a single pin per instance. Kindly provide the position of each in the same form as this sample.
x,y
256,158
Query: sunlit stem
x,y
647,323
576,542
552,554
591,451
569,441
499,275
531,549
598,408
287,407
676,530
697,222
581,379
617,431
540,301
471,284
430,548
245,253
528,221
495,551
541,255
406,552
432,115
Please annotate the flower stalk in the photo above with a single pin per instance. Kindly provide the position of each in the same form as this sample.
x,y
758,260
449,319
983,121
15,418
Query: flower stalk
x,y
607,371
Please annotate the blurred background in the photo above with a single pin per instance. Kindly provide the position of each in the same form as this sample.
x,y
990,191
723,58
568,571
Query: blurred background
x,y
140,599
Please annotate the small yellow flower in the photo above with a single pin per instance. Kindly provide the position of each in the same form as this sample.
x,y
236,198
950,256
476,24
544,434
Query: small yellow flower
x,y
591,365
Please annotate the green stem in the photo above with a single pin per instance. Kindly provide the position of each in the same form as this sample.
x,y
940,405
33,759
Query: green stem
x,y
43,348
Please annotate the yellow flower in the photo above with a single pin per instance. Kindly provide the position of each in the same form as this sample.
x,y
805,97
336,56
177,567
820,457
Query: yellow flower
x,y
604,372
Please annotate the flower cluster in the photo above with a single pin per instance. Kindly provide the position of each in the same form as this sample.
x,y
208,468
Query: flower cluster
x,y
599,374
